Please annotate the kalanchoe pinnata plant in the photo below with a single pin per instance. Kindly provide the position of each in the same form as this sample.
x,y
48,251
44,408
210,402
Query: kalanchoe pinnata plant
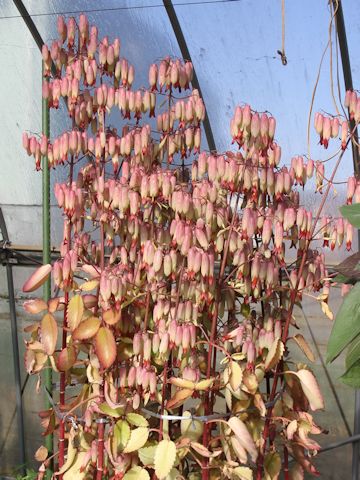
x,y
175,295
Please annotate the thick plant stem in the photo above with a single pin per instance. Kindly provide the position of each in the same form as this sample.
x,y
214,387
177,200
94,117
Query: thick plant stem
x,y
285,332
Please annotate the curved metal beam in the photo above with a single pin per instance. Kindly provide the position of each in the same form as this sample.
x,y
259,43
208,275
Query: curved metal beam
x,y
170,10
29,23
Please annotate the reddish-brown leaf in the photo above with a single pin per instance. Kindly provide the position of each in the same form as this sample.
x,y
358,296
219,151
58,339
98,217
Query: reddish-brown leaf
x,y
179,398
75,311
90,301
92,271
87,329
66,358
34,306
49,333
38,278
111,316
311,389
105,347
55,304
41,454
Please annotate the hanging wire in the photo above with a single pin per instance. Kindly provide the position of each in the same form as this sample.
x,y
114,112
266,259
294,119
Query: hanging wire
x,y
114,9
282,51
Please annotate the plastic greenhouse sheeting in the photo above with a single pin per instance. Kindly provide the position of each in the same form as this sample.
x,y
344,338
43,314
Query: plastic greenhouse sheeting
x,y
233,45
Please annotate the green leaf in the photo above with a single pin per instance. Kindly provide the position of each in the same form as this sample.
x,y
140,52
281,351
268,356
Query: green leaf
x,y
347,324
137,473
340,278
353,353
112,412
242,473
138,438
272,466
122,433
137,420
174,474
352,376
352,213
147,454
165,456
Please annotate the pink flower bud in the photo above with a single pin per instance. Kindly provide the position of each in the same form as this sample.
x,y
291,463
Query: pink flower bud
x,y
278,238
344,134
334,127
71,30
320,172
264,127
45,53
251,352
201,236
267,231
147,349
158,259
154,185
246,116
357,111
153,72
134,200
347,98
289,218
185,338
349,231
110,56
319,120
279,185
326,131
255,269
152,383
137,343
255,125
272,127
351,185
310,168
164,343
105,287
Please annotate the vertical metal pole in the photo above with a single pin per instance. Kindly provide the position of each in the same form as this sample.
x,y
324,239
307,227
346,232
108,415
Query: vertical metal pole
x,y
15,348
46,249
16,360
345,60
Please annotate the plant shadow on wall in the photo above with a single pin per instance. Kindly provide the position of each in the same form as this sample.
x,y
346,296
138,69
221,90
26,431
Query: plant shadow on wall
x,y
172,282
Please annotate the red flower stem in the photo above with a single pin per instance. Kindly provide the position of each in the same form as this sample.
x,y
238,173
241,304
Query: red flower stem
x,y
101,425
63,342
285,333
163,394
208,401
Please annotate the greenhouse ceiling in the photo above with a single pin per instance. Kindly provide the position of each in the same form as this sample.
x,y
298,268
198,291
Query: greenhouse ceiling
x,y
234,46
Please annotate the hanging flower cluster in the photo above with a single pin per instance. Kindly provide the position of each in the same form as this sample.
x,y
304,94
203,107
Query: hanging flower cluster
x,y
177,298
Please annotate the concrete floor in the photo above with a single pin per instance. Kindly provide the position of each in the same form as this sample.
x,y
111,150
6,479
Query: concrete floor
x,y
334,465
